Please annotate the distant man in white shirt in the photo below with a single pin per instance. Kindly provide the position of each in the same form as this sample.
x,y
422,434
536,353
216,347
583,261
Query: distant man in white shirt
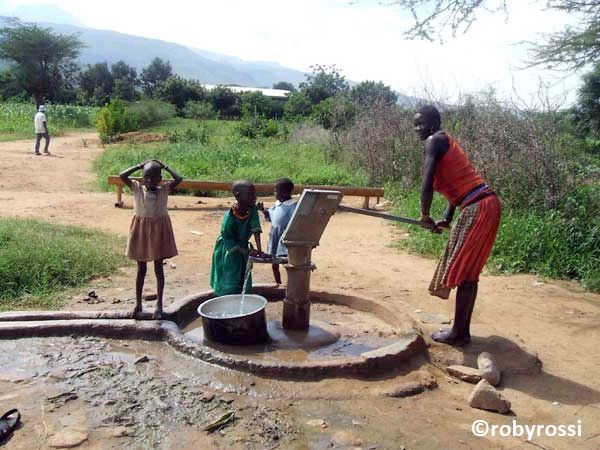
x,y
41,130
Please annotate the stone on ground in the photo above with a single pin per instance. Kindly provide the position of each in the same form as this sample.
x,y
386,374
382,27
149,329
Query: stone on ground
x,y
68,438
489,368
485,396
464,373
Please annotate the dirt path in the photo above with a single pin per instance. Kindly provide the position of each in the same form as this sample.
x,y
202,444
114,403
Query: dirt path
x,y
519,317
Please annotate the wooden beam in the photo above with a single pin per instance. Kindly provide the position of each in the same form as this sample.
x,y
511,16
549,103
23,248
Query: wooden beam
x,y
264,188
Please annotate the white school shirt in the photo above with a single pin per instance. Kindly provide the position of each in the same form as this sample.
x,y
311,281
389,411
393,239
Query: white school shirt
x,y
39,120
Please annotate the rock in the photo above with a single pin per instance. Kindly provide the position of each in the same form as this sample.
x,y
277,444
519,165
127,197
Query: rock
x,y
465,373
120,432
142,359
68,438
488,368
485,396
407,390
346,439
320,423
208,397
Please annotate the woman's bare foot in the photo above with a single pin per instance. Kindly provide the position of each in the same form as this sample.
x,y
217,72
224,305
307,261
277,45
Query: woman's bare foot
x,y
451,337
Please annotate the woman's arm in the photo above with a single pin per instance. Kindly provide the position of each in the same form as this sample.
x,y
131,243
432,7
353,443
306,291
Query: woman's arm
x,y
436,146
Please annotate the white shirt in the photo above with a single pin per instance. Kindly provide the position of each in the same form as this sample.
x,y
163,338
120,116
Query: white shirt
x,y
39,120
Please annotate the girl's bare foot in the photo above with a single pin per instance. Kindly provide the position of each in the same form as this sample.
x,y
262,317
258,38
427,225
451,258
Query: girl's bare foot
x,y
137,310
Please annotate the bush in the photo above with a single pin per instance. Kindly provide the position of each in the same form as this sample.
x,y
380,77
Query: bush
x,y
119,117
372,143
146,113
199,110
199,134
256,126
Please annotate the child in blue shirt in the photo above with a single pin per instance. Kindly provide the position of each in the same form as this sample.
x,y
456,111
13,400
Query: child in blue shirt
x,y
279,215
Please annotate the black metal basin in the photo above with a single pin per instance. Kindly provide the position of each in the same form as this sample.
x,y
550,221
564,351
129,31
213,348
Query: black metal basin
x,y
229,321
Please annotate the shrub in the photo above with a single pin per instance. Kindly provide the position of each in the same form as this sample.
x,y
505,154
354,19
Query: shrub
x,y
199,110
199,134
146,113
373,143
119,117
257,126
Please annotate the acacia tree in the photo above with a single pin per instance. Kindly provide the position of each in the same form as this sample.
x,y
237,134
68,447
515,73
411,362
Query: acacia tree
x,y
39,58
571,48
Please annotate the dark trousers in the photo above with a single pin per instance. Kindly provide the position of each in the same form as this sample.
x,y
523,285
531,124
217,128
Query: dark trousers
x,y
38,138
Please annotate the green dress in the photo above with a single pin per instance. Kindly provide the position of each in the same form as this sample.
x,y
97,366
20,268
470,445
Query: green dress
x,y
231,253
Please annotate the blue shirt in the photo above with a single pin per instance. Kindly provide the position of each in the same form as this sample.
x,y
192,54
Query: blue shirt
x,y
279,216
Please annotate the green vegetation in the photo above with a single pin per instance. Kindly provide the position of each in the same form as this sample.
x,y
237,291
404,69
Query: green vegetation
x,y
38,261
16,119
226,156
120,117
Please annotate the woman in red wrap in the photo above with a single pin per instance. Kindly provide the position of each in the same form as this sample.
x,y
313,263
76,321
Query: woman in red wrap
x,y
447,170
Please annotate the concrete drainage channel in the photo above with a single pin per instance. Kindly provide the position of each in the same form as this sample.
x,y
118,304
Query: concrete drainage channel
x,y
391,353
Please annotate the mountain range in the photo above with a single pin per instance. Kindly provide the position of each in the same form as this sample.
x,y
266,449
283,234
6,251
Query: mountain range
x,y
202,65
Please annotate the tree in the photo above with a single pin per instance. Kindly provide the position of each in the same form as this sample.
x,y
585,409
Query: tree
x,y
368,93
179,91
225,102
571,48
255,104
587,110
39,57
285,85
334,113
126,81
9,87
96,84
154,75
323,82
298,105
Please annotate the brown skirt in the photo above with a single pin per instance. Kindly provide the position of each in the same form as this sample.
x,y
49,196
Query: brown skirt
x,y
151,239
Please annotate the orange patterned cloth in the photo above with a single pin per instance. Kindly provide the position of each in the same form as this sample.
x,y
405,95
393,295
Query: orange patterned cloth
x,y
455,176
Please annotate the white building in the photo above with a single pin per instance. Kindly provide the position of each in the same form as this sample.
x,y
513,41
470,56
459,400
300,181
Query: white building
x,y
278,94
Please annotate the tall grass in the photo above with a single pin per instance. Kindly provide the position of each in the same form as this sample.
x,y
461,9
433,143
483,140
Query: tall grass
x,y
39,260
16,119
227,157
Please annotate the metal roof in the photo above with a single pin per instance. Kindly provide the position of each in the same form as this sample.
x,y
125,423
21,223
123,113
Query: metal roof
x,y
273,93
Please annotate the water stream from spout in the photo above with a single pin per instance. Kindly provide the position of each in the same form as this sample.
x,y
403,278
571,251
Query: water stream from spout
x,y
246,278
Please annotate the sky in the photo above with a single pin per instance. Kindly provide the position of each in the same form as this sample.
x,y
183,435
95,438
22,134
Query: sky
x,y
363,38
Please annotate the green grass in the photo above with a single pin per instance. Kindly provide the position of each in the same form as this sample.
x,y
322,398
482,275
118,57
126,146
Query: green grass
x,y
561,243
228,157
40,261
16,119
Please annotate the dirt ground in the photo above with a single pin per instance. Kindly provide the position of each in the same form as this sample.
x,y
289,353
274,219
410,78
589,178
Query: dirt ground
x,y
165,402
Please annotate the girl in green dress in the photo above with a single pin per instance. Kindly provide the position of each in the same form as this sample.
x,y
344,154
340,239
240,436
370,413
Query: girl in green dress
x,y
232,248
